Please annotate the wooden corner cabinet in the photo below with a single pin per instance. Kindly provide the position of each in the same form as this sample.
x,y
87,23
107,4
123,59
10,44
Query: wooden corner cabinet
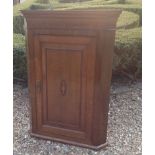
x,y
69,66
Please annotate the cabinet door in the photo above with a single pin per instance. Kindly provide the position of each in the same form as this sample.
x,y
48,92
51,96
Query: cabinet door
x,y
64,69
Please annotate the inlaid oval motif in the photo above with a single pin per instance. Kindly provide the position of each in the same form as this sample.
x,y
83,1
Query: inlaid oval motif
x,y
63,87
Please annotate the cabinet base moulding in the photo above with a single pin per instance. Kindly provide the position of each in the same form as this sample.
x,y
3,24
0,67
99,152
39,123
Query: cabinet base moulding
x,y
96,148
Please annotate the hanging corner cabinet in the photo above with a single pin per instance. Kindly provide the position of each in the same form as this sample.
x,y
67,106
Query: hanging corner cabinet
x,y
69,72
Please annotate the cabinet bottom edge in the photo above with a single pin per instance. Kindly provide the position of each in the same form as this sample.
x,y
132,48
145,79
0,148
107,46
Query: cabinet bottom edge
x,y
98,147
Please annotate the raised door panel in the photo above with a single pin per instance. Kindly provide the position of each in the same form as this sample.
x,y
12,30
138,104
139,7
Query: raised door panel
x,y
63,84
64,69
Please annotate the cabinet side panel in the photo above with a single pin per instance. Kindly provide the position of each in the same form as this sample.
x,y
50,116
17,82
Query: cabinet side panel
x,y
31,76
102,85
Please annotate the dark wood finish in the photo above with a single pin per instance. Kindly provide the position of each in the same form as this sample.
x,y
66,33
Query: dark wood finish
x,y
70,64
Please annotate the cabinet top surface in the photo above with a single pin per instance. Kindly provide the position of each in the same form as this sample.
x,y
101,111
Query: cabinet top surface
x,y
82,13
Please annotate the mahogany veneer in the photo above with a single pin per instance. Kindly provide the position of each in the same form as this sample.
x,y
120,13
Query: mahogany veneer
x,y
69,65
